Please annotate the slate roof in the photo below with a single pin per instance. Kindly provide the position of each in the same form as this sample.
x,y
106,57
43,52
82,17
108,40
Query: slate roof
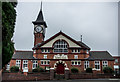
x,y
100,55
81,43
23,55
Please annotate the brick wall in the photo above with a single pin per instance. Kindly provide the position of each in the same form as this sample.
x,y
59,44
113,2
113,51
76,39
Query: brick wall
x,y
19,76
91,76
46,76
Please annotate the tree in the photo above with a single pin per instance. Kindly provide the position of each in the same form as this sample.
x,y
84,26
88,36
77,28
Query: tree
x,y
8,25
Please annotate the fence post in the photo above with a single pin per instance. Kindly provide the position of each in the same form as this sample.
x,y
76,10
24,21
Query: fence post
x,y
52,73
66,73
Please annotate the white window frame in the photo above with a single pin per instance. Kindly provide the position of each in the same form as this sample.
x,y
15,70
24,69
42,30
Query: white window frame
x,y
60,47
8,66
86,64
116,61
75,61
35,62
34,51
75,50
87,51
45,51
45,61
25,62
104,63
45,56
18,63
97,63
75,56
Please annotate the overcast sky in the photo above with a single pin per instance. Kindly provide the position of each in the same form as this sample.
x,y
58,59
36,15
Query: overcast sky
x,y
97,22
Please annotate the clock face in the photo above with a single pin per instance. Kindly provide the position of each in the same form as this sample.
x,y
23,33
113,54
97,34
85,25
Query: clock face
x,y
38,29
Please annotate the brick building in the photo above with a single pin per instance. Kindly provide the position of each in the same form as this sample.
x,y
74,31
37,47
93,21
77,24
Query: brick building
x,y
60,52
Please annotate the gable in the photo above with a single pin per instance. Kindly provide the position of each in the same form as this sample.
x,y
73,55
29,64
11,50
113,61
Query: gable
x,y
51,42
71,42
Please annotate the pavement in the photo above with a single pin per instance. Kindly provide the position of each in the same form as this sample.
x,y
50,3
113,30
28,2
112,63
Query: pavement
x,y
74,80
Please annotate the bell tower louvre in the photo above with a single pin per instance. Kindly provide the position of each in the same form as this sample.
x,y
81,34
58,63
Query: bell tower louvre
x,y
39,28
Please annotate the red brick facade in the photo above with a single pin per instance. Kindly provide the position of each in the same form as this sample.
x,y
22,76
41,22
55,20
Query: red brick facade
x,y
59,49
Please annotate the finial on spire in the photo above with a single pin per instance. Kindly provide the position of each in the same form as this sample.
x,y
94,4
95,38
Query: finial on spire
x,y
81,38
41,6
60,30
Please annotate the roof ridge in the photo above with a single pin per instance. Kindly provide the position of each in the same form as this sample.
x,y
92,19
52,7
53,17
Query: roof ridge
x,y
98,51
23,51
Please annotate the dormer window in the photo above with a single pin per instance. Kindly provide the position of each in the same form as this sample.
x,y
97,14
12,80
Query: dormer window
x,y
60,46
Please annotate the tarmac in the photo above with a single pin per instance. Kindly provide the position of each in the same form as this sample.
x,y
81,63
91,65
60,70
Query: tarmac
x,y
74,80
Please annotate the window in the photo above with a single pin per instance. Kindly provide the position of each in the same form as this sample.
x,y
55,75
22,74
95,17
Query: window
x,y
45,56
34,64
75,50
45,62
75,56
87,52
61,46
86,64
34,51
18,63
25,64
8,66
41,62
97,65
105,63
116,60
76,62
45,50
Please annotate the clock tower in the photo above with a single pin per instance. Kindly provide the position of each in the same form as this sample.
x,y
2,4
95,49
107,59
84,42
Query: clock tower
x,y
39,28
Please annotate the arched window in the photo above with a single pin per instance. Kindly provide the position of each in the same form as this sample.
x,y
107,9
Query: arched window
x,y
60,46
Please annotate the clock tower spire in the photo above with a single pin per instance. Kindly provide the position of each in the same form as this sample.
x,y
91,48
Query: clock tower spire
x,y
39,28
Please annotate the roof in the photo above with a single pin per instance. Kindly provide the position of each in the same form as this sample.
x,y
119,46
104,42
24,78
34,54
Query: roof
x,y
61,33
23,55
81,43
116,56
100,55
40,18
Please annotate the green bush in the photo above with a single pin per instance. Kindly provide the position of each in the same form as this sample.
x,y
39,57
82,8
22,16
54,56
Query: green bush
x,y
89,70
14,69
74,70
38,69
108,70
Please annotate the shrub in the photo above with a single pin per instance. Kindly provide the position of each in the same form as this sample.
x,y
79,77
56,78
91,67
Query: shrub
x,y
14,69
38,69
74,70
89,70
107,70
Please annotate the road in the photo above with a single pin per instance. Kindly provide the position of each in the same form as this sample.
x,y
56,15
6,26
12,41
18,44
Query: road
x,y
75,80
